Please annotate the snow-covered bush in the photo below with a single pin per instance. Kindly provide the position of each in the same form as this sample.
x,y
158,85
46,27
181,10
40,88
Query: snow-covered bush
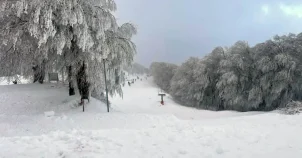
x,y
292,108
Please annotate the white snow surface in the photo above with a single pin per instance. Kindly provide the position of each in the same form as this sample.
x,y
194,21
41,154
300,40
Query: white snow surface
x,y
136,127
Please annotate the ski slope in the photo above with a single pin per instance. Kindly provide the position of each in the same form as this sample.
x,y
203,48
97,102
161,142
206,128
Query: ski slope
x,y
136,127
142,97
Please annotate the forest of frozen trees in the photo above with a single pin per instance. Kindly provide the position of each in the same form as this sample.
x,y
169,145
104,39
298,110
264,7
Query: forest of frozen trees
x,y
136,68
78,38
243,78
163,73
68,36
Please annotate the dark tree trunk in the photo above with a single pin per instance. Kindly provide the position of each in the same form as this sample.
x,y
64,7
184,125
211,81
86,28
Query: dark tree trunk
x,y
42,72
81,75
74,50
36,73
39,72
82,82
71,85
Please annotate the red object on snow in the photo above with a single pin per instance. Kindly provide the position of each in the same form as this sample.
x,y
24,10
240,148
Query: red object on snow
x,y
162,102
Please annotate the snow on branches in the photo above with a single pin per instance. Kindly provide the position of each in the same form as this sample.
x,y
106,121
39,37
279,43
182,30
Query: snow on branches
x,y
242,78
66,32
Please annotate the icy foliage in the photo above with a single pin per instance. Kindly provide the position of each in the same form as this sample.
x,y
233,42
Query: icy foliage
x,y
194,83
292,108
136,68
189,75
243,78
65,33
162,74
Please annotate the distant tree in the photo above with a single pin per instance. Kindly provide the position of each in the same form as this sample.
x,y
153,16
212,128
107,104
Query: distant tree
x,y
136,68
188,82
237,79
194,83
242,78
162,74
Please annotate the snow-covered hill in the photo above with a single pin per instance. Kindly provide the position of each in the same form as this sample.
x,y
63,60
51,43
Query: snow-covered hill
x,y
137,126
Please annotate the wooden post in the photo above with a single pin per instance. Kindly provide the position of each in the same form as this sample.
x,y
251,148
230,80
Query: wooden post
x,y
106,85
83,101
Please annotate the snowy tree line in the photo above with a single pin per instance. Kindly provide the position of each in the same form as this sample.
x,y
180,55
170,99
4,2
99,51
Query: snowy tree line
x,y
72,36
162,74
243,78
136,68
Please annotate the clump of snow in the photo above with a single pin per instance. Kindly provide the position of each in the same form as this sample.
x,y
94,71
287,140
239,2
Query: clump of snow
x,y
292,108
219,150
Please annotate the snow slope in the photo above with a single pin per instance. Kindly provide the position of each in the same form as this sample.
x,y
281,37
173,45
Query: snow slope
x,y
136,127
227,139
142,97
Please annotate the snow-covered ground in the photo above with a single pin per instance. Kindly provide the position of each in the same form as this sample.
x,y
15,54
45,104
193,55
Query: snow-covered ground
x,y
142,97
137,126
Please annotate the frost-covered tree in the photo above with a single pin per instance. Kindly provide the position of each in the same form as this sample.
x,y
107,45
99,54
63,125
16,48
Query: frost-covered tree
x,y
162,74
296,54
188,82
194,83
136,68
211,98
279,75
77,34
120,52
243,78
237,79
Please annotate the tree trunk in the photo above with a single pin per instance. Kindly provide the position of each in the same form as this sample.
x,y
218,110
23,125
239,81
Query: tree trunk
x,y
82,82
63,78
36,73
74,50
71,85
39,72
42,72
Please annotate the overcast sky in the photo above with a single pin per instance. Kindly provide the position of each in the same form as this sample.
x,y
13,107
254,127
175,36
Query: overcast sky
x,y
174,30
